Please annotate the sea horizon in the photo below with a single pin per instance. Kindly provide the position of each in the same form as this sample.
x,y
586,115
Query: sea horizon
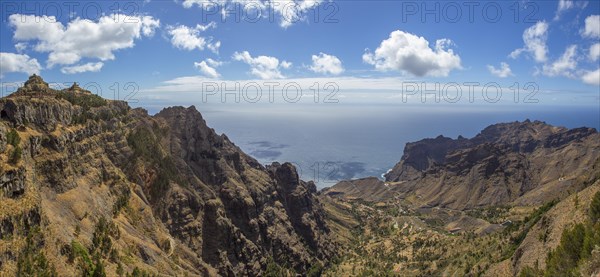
x,y
342,142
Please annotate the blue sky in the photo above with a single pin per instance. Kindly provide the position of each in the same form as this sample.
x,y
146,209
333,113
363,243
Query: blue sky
x,y
168,47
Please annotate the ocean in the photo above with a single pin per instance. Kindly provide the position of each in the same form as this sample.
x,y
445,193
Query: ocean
x,y
339,142
363,133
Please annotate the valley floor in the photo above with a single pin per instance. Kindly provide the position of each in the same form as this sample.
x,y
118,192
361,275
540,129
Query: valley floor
x,y
391,239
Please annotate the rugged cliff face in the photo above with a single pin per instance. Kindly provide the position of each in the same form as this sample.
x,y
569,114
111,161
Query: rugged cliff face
x,y
515,200
91,185
520,163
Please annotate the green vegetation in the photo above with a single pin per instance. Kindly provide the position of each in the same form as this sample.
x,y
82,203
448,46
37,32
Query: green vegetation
x,y
531,272
494,214
31,261
89,261
82,118
122,201
120,269
146,147
275,270
102,236
13,138
386,244
98,268
85,100
577,250
315,270
530,221
78,253
563,260
137,272
595,209
15,155
144,144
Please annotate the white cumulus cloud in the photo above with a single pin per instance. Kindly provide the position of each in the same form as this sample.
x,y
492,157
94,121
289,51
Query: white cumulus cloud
x,y
88,67
326,64
563,66
410,53
563,5
595,52
534,38
264,67
11,62
288,12
502,72
21,46
189,38
208,68
292,11
592,26
286,64
81,38
205,4
592,77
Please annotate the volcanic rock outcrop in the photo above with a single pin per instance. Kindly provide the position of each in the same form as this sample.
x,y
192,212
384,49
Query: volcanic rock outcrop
x,y
91,185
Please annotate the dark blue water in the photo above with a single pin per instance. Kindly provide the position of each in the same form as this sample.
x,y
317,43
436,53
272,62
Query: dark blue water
x,y
345,142
330,143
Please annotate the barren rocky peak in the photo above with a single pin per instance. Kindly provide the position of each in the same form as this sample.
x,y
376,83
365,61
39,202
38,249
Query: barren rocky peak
x,y
35,83
518,163
166,193
515,137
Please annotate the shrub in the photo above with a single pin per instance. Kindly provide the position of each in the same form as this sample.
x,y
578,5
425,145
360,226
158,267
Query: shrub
x,y
102,242
273,269
122,201
80,253
13,138
84,100
15,156
101,247
576,246
530,272
145,146
137,272
532,220
563,260
595,208
120,269
315,270
31,261
98,269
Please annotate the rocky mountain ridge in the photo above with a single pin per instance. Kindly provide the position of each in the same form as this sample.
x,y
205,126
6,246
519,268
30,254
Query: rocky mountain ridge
x,y
93,186
518,199
519,163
